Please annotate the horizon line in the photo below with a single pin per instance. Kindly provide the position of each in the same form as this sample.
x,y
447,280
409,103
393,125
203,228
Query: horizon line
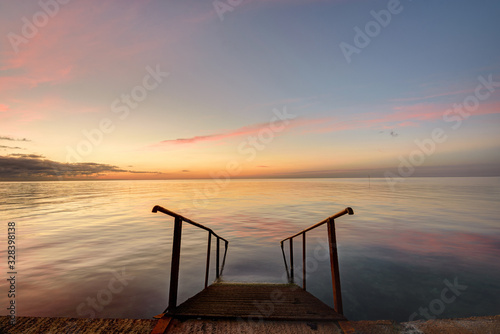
x,y
253,178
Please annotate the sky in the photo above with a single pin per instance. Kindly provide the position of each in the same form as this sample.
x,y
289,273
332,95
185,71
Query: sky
x,y
127,89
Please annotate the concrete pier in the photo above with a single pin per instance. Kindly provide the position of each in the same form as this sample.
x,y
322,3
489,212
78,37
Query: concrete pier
x,y
479,325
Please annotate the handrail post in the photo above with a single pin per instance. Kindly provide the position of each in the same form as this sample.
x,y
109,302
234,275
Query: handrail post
x,y
304,260
291,261
208,258
176,253
224,259
334,260
284,259
174,269
334,266
217,274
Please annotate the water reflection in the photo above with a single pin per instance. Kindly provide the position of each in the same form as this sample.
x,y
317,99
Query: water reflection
x,y
394,253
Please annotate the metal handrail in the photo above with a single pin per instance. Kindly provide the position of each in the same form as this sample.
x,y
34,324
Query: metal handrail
x,y
334,262
176,252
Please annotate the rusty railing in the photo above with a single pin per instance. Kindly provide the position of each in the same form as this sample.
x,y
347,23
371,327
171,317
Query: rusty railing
x,y
334,261
176,254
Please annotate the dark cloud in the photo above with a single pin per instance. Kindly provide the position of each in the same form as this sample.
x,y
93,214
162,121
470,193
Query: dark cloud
x,y
142,172
31,156
392,133
11,147
186,171
13,139
7,138
33,166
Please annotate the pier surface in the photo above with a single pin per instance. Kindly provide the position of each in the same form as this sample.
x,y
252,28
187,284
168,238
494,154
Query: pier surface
x,y
28,325
255,302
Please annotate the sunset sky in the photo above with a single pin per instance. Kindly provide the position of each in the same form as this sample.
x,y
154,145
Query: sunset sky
x,y
278,88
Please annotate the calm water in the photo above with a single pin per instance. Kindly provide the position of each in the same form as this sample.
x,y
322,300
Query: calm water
x,y
84,243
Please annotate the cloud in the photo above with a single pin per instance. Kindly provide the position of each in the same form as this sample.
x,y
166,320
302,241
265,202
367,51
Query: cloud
x,y
13,139
34,166
30,156
141,172
246,130
55,55
402,116
60,56
391,133
11,147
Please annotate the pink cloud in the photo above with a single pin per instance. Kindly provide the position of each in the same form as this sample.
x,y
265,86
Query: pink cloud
x,y
403,116
429,112
78,47
246,130
23,111
69,47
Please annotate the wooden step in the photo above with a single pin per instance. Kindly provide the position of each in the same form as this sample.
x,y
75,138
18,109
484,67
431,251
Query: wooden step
x,y
250,301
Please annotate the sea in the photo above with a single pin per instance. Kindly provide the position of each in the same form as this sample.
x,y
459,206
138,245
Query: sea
x,y
419,249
